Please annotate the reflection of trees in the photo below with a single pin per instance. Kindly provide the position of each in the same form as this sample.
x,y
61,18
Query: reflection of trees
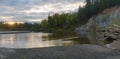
x,y
94,38
58,39
59,35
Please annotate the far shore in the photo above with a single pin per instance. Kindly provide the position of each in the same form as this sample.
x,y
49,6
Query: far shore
x,y
12,32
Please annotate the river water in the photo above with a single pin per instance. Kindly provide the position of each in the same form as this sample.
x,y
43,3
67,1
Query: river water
x,y
37,40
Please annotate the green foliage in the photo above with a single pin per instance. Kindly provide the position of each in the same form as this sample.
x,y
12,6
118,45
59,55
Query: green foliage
x,y
68,21
60,22
93,8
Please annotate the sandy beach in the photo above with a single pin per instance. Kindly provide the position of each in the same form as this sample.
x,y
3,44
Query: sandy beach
x,y
65,52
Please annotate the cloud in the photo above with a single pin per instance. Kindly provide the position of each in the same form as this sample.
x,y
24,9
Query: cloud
x,y
35,10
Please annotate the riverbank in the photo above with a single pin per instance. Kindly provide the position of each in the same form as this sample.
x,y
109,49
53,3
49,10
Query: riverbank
x,y
12,32
69,52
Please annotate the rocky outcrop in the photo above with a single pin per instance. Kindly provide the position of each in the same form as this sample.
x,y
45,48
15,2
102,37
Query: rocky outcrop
x,y
106,24
109,17
108,21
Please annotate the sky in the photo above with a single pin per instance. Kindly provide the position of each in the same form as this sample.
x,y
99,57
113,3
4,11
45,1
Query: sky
x,y
35,10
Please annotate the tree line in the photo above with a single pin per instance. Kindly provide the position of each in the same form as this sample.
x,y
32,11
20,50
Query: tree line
x,y
69,21
20,27
94,8
60,22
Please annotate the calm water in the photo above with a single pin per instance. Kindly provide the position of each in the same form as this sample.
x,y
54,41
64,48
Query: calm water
x,y
33,40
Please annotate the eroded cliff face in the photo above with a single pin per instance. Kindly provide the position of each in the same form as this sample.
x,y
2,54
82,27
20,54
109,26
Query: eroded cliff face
x,y
105,26
108,18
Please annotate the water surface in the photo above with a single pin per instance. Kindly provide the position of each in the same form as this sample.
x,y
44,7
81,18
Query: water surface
x,y
35,40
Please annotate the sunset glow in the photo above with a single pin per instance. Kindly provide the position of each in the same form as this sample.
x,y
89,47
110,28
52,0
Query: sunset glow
x,y
11,23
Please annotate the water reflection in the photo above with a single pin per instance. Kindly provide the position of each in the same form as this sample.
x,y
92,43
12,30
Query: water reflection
x,y
33,40
94,38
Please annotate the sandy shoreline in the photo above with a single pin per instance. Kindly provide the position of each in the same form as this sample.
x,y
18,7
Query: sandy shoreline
x,y
69,52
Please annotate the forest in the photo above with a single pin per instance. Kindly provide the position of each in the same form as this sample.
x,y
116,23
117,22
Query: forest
x,y
69,21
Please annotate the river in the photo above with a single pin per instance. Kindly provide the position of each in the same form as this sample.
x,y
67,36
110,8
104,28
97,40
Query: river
x,y
36,40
